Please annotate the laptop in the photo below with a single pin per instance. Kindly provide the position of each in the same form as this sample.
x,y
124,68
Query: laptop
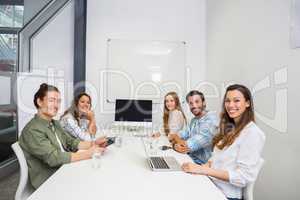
x,y
162,163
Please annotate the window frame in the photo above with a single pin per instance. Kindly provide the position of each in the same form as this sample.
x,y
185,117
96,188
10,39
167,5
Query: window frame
x,y
11,74
12,2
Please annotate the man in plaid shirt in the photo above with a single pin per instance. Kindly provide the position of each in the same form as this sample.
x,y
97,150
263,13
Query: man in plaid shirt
x,y
196,139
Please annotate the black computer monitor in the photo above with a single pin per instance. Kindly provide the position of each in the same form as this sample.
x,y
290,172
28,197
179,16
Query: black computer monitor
x,y
129,110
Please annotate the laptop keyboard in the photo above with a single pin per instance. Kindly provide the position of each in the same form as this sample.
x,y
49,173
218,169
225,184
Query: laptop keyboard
x,y
159,163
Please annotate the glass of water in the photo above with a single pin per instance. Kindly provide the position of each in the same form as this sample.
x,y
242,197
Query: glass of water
x,y
96,160
153,146
118,141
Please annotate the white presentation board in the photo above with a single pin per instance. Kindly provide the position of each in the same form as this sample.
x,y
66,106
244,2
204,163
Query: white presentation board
x,y
144,69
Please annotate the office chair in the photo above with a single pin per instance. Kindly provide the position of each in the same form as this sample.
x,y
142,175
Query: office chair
x,y
24,189
248,190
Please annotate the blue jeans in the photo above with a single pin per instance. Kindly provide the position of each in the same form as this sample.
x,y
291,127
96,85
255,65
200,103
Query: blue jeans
x,y
233,199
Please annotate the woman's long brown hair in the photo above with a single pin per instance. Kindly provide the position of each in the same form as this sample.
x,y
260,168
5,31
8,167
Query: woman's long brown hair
x,y
73,110
229,131
166,111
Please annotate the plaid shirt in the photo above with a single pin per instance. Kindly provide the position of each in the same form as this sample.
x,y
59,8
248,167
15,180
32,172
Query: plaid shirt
x,y
71,126
198,136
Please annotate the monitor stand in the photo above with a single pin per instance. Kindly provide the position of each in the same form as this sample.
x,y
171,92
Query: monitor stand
x,y
133,128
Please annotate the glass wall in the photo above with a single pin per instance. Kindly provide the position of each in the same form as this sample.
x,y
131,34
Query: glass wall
x,y
11,21
11,16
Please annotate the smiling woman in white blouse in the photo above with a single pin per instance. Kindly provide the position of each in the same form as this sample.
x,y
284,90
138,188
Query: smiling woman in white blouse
x,y
236,156
174,119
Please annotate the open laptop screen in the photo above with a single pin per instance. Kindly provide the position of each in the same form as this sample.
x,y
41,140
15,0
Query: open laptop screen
x,y
129,110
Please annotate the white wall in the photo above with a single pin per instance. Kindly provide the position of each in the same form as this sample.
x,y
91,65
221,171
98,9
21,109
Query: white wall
x,y
52,63
5,88
168,20
248,41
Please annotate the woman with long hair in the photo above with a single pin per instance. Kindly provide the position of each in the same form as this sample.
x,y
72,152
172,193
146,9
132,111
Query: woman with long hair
x,y
174,119
46,145
79,119
236,157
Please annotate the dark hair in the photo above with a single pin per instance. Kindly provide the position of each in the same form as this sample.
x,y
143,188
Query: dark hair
x,y
73,110
195,92
229,130
42,92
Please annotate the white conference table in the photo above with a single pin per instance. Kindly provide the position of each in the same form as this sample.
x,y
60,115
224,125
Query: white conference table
x,y
125,174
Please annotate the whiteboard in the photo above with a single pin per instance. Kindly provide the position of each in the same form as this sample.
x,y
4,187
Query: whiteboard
x,y
144,69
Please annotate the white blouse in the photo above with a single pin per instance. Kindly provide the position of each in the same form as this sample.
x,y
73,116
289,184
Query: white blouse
x,y
242,160
176,121
70,125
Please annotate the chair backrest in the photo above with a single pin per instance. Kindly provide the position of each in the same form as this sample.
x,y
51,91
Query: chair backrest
x,y
24,189
248,190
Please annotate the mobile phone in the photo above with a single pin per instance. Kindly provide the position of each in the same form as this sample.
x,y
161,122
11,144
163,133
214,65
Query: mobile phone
x,y
165,147
110,140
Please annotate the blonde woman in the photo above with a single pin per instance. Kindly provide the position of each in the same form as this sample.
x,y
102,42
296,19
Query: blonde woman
x,y
174,119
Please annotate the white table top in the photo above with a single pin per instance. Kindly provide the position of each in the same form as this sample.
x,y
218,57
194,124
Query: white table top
x,y
125,174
